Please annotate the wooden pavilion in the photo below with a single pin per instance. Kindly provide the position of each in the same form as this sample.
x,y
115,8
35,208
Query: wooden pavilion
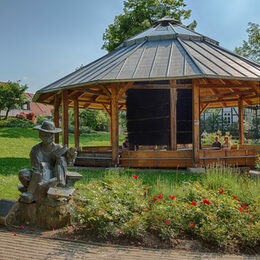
x,y
166,56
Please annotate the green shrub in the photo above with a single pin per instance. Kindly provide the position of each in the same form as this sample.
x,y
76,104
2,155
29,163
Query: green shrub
x,y
16,122
119,205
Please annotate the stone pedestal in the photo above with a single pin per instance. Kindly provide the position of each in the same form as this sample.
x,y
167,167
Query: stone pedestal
x,y
50,212
8,209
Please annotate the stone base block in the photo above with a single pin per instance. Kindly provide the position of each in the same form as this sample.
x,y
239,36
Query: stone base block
x,y
8,209
47,214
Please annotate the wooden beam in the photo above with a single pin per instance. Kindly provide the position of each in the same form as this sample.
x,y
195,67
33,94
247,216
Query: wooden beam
x,y
224,86
106,90
114,124
76,123
196,121
204,108
56,116
226,100
151,86
173,118
235,93
106,109
240,121
65,118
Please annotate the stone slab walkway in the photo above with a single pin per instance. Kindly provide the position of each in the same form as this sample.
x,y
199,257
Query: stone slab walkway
x,y
32,246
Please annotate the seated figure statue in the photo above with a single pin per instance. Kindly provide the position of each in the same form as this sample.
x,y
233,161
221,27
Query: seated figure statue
x,y
49,163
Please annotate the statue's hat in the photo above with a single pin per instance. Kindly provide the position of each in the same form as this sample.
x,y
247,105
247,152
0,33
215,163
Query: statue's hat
x,y
47,127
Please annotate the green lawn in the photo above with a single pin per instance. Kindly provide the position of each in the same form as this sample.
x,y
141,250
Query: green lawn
x,y
16,143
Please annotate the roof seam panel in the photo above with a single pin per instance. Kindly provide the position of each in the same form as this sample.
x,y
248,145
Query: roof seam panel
x,y
200,46
129,54
138,62
210,60
191,57
169,60
217,50
152,66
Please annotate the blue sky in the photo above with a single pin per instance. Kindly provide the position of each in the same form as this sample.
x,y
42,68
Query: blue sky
x,y
43,40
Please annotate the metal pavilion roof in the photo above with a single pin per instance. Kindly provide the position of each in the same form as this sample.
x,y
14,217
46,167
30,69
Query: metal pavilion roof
x,y
167,50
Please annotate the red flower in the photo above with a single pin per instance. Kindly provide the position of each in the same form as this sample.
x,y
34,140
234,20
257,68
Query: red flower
x,y
168,222
191,224
135,176
241,210
194,203
148,201
146,210
160,196
234,197
206,202
154,198
22,226
221,191
244,207
172,197
188,206
159,218
14,234
243,201
133,221
166,217
52,229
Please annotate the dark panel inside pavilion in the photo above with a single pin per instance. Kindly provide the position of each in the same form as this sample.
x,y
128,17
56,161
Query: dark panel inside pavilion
x,y
164,78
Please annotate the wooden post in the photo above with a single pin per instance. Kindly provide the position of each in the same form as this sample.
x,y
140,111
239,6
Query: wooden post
x,y
173,118
196,121
65,117
114,124
76,123
240,121
56,116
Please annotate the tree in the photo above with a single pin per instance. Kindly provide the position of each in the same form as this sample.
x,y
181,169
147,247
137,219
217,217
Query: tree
x,y
12,96
139,15
251,48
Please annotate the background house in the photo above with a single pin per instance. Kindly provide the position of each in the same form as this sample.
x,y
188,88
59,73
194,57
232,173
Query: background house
x,y
36,108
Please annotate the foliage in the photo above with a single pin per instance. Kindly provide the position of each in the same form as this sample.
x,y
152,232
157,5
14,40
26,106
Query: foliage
x,y
257,164
17,122
117,205
93,119
40,118
12,96
251,48
139,15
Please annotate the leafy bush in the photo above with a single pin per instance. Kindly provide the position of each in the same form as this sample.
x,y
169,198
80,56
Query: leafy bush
x,y
41,118
121,206
16,122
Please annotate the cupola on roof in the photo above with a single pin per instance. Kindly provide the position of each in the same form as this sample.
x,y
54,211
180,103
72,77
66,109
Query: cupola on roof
x,y
167,50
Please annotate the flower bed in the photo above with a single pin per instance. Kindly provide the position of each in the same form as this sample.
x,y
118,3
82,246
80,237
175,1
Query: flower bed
x,y
121,206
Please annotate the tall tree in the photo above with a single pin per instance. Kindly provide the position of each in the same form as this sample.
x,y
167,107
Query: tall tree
x,y
12,96
139,15
251,48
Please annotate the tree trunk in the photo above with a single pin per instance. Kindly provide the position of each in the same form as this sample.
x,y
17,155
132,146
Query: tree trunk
x,y
6,115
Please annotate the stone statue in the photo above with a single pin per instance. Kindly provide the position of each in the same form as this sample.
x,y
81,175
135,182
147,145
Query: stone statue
x,y
49,163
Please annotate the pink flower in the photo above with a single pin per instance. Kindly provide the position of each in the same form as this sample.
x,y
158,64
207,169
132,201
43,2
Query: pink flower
x,y
168,222
191,224
52,229
194,203
67,238
22,226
